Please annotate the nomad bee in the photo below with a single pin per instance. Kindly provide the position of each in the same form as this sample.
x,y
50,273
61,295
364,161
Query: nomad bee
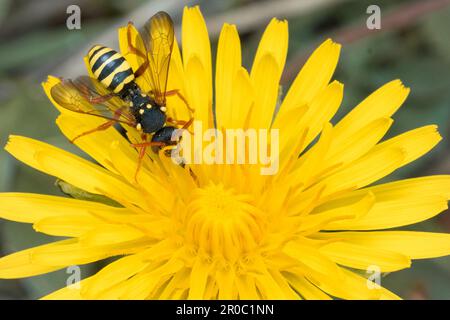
x,y
114,91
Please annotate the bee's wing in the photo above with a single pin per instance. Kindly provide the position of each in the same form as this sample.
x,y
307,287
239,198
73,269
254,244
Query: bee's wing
x,y
158,36
88,96
94,91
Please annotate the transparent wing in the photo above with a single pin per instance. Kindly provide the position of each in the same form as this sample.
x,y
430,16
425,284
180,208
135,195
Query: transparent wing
x,y
158,35
88,96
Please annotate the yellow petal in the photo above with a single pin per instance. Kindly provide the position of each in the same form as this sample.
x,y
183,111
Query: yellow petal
x,y
270,286
316,262
384,159
62,254
319,112
414,143
290,124
30,208
266,71
322,109
414,244
390,214
67,167
362,172
438,185
246,287
270,289
196,45
142,285
196,94
398,203
363,257
110,234
326,219
313,77
242,100
309,167
178,282
66,225
212,290
307,290
199,275
69,292
226,281
228,62
430,185
356,281
380,104
288,292
355,287
125,161
20,264
114,273
265,77
345,151
274,42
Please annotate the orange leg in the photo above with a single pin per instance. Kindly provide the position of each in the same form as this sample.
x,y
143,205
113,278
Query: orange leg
x,y
148,144
136,51
140,71
100,99
179,95
142,148
132,48
188,123
101,127
185,124
87,94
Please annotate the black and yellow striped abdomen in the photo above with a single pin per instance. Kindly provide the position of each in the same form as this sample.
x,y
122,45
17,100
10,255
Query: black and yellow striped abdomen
x,y
110,68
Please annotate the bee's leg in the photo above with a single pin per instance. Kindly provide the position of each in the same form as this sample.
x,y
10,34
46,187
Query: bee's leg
x,y
103,126
185,124
142,148
94,100
132,48
100,99
136,51
148,144
179,95
141,69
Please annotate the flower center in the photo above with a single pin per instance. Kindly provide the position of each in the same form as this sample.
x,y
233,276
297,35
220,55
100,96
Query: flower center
x,y
222,223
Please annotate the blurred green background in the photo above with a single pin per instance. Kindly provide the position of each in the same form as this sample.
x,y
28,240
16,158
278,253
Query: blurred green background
x,y
413,45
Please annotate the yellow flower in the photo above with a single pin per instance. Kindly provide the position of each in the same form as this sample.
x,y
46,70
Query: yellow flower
x,y
207,231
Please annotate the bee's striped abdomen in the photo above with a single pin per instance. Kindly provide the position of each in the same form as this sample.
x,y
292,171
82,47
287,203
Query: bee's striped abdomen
x,y
110,68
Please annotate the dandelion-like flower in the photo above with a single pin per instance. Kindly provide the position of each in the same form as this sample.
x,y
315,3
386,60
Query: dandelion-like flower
x,y
224,231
